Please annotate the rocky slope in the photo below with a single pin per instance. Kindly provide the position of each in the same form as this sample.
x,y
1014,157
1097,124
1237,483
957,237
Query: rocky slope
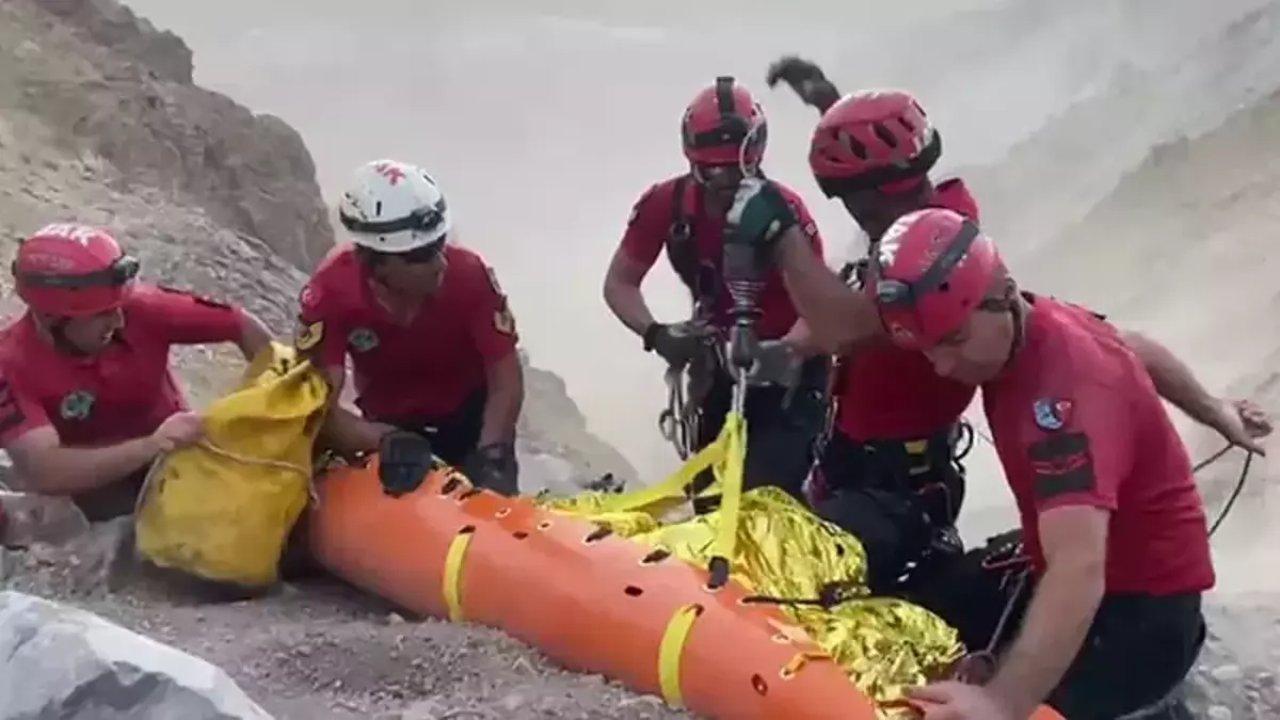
x,y
101,123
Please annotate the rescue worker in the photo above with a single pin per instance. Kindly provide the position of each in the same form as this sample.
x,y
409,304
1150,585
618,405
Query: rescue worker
x,y
1153,565
431,338
1110,513
724,133
889,468
87,397
891,463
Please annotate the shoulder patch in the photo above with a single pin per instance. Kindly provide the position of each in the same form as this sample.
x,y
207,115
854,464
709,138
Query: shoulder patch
x,y
308,335
503,321
309,298
1061,464
1051,414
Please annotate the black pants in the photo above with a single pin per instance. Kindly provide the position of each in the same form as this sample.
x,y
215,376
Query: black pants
x,y
1138,650
781,427
453,436
114,500
900,500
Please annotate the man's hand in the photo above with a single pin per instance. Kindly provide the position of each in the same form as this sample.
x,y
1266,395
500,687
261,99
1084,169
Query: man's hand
x,y
677,343
494,467
1243,423
806,79
178,430
775,363
759,215
950,700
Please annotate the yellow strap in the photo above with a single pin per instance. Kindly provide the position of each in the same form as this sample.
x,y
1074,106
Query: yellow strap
x,y
669,652
734,435
670,489
453,574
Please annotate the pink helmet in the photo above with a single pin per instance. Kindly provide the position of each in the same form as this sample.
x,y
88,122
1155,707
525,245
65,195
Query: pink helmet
x,y
872,138
724,124
929,273
71,270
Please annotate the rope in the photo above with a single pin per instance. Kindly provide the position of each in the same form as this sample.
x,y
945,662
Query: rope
x,y
1195,469
154,470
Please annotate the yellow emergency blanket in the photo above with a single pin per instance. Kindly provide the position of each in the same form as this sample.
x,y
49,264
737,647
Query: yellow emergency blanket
x,y
222,509
779,549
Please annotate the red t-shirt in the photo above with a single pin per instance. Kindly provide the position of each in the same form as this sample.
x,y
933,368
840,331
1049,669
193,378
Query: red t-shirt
x,y
1076,421
650,224
122,393
889,393
421,370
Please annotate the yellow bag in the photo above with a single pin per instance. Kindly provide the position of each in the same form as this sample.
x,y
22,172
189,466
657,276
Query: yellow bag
x,y
222,509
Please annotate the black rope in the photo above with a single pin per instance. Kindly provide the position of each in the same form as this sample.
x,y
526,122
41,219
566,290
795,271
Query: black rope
x,y
829,595
1235,492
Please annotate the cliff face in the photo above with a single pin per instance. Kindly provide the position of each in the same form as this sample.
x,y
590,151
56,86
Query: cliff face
x,y
112,91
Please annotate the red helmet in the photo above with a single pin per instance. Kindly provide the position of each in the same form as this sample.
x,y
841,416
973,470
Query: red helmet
x,y
871,139
724,125
929,273
71,270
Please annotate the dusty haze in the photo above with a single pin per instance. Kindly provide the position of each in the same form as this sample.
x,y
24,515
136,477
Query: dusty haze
x,y
544,126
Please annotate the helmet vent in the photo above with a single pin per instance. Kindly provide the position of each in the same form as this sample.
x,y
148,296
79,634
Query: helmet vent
x,y
854,146
885,135
377,209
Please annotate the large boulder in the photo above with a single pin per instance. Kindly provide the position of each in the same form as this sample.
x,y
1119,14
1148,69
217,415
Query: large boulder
x,y
58,661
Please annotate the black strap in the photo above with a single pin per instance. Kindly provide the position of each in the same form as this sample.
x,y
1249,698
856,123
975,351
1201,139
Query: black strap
x,y
681,251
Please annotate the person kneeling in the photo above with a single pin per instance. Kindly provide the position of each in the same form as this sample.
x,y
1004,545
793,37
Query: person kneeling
x,y
428,329
87,398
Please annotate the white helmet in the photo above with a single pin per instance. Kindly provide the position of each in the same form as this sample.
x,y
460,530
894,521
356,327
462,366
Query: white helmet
x,y
394,207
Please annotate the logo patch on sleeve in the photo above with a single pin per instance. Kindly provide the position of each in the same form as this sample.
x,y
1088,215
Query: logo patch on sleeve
x,y
308,335
1051,414
504,322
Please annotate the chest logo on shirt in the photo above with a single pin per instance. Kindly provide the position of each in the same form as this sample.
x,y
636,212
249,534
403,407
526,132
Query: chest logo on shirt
x,y
362,339
1051,414
77,405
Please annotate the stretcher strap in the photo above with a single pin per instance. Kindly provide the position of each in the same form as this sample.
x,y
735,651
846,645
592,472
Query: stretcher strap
x,y
673,488
669,652
452,585
729,471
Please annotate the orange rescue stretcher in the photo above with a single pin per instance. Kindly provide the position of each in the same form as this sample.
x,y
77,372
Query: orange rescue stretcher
x,y
586,595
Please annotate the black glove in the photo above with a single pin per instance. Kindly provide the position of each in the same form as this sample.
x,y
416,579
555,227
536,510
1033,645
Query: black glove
x,y
806,78
404,459
775,363
677,343
494,467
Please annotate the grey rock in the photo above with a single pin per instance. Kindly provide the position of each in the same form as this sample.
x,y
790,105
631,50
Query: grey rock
x,y
58,661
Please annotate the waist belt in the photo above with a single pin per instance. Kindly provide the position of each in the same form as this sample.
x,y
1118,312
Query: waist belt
x,y
915,457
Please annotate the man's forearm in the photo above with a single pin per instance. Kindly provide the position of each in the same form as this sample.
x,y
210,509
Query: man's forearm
x,y
1173,380
502,407
1053,631
837,315
627,303
68,471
